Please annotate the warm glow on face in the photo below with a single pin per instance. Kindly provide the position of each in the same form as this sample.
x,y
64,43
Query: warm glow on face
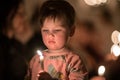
x,y
54,34
101,70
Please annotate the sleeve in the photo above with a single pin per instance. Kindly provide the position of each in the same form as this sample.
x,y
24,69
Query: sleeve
x,y
31,67
77,69
28,76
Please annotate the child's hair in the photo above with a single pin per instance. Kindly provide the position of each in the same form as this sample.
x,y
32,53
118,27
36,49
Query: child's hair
x,y
57,9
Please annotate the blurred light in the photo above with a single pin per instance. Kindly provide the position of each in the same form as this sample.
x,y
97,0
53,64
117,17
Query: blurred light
x,y
115,37
119,37
90,2
41,59
95,2
115,49
40,53
101,70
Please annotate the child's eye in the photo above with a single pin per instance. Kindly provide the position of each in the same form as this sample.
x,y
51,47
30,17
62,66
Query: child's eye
x,y
57,30
44,30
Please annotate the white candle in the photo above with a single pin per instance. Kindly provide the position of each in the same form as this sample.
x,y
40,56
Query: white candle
x,y
41,58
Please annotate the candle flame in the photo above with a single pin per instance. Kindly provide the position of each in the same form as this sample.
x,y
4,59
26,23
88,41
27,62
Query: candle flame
x,y
40,53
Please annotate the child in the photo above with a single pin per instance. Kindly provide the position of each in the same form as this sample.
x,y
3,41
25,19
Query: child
x,y
56,19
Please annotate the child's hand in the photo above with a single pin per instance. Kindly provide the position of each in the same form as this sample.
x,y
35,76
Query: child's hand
x,y
44,76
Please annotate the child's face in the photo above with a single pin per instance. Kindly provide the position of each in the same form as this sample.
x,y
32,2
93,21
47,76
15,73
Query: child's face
x,y
54,34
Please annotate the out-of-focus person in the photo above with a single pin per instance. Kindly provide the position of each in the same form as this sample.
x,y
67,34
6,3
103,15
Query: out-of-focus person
x,y
86,39
5,8
105,27
23,41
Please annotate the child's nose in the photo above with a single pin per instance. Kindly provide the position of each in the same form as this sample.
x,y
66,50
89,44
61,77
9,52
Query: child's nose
x,y
51,34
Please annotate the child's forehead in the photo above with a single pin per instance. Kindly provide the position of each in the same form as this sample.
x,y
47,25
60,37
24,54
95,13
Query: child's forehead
x,y
55,20
50,22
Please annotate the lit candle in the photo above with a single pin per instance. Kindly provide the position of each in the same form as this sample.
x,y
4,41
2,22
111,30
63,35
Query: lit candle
x,y
41,58
115,37
101,70
115,49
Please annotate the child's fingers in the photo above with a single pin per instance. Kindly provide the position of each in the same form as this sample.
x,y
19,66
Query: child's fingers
x,y
39,72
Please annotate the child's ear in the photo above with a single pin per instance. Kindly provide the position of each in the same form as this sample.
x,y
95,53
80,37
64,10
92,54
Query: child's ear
x,y
72,30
